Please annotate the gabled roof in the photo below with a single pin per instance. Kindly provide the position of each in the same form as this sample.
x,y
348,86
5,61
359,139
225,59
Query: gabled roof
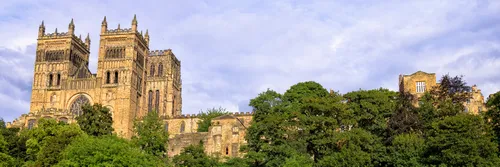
x,y
82,72
421,72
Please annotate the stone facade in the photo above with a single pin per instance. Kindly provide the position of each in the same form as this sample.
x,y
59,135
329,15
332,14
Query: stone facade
x,y
225,136
130,80
420,82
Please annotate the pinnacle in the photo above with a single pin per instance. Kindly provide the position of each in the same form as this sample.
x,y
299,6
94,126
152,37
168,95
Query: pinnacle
x,y
42,24
87,38
71,23
134,21
104,21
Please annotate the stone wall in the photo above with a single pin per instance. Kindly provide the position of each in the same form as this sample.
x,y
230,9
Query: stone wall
x,y
408,83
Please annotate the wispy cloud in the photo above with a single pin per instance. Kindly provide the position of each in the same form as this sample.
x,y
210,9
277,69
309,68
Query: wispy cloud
x,y
233,50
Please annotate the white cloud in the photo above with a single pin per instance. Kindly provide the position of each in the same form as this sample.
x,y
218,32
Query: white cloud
x,y
231,51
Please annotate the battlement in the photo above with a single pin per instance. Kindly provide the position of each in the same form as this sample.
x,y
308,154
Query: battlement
x,y
160,52
166,52
199,115
118,30
69,34
57,35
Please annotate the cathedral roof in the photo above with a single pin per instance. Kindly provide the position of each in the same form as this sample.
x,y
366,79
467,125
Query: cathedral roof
x,y
82,72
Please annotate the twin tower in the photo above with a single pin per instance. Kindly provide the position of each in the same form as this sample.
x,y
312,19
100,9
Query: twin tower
x,y
131,80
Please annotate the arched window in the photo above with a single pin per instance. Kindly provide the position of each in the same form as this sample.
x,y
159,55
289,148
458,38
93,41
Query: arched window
x,y
157,100
152,70
51,77
116,76
31,123
183,126
166,126
227,150
76,106
150,100
108,77
160,69
58,79
63,119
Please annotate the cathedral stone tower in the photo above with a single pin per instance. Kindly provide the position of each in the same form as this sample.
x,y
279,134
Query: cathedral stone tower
x,y
164,83
59,55
121,73
63,83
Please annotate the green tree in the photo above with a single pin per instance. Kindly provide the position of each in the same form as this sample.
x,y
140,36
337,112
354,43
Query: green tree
x,y
297,160
405,118
406,149
356,147
426,110
265,136
95,120
493,114
2,124
298,93
452,88
264,103
300,122
150,134
106,151
206,117
5,158
194,156
48,140
236,161
372,108
16,145
461,140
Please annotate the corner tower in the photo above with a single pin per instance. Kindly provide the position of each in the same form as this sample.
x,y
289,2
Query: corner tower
x,y
59,55
121,73
164,84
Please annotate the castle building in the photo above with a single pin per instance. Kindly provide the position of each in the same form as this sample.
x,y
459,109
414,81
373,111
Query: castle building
x,y
130,80
421,82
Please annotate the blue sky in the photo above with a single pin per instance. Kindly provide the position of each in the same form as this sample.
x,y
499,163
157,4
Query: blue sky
x,y
233,50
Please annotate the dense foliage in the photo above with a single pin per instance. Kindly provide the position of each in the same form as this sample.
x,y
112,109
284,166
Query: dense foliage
x,y
96,120
207,116
106,151
306,126
150,134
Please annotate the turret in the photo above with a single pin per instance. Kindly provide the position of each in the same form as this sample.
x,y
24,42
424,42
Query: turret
x,y
71,27
41,30
134,24
87,41
104,25
146,37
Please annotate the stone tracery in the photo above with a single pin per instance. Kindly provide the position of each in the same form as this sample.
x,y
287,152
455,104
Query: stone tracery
x,y
76,106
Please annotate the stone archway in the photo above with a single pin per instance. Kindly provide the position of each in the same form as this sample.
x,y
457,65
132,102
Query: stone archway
x,y
77,103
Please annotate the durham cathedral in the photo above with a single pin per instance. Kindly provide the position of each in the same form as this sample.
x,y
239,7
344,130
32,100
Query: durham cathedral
x,y
132,80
